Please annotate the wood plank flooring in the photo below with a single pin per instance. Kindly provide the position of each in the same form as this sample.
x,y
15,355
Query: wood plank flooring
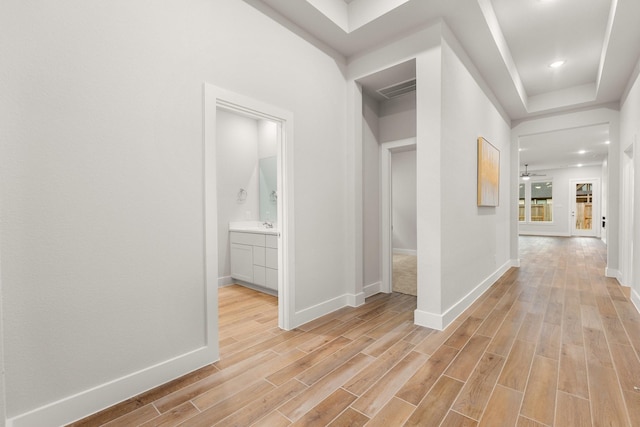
x,y
553,343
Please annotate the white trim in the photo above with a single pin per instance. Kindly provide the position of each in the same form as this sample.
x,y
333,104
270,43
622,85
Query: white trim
x,y
386,234
441,321
613,273
372,289
78,406
355,300
401,251
635,299
543,233
311,313
225,281
216,97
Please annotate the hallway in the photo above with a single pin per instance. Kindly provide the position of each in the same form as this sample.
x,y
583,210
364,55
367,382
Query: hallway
x,y
553,343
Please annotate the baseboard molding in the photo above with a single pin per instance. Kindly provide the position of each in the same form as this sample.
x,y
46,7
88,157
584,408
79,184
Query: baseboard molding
x,y
308,314
543,233
441,321
88,402
225,281
635,299
355,300
372,289
614,273
405,251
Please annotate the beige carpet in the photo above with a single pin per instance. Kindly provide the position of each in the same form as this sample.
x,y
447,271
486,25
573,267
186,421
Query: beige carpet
x,y
405,268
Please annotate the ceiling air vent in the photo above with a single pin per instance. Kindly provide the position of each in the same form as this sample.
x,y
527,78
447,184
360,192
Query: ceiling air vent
x,y
398,89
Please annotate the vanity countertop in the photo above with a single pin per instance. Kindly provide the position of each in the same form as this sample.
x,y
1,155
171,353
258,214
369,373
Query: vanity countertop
x,y
253,227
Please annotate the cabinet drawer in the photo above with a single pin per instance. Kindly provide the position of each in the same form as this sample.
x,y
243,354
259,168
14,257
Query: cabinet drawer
x,y
271,279
259,256
259,275
271,259
271,241
253,239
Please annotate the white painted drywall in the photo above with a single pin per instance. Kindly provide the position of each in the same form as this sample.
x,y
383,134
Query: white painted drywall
x,y
371,192
398,118
630,235
562,206
267,138
404,207
237,168
102,183
475,240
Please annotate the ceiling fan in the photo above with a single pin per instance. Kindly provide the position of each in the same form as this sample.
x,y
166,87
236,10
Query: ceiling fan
x,y
526,175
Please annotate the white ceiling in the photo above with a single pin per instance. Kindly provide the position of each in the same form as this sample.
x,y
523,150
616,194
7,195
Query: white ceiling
x,y
511,42
562,149
540,32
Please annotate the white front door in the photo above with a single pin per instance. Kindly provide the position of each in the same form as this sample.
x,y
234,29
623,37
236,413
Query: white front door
x,y
585,207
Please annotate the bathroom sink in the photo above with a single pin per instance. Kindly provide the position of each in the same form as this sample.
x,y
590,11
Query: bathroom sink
x,y
253,227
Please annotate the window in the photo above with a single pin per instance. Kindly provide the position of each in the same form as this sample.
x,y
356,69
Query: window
x,y
537,198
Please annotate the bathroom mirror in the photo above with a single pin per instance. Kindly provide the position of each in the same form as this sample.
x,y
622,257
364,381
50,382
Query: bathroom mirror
x,y
268,189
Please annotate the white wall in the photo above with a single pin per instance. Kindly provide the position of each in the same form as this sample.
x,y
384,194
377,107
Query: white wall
x,y
404,208
371,191
102,184
630,233
398,118
475,240
237,167
562,203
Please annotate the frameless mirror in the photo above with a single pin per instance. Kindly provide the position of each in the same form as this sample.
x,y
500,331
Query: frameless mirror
x,y
268,189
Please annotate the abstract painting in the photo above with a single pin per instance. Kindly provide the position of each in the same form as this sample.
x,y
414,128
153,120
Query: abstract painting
x,y
488,173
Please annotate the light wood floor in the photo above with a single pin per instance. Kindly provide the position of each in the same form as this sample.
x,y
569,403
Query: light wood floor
x,y
553,343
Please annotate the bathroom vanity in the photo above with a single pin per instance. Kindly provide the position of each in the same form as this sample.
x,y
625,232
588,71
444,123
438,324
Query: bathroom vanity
x,y
254,254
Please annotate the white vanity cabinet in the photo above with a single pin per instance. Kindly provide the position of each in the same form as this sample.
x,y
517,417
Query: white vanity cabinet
x,y
254,258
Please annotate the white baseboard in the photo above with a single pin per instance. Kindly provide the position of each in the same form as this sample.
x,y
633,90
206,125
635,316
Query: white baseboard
x,y
635,299
308,314
90,401
441,321
372,289
224,281
543,233
405,251
612,272
355,300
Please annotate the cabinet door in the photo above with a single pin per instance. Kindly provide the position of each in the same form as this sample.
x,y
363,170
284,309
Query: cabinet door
x,y
259,256
259,275
271,279
242,262
271,256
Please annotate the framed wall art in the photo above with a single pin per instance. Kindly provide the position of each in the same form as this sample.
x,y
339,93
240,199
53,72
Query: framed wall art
x,y
488,173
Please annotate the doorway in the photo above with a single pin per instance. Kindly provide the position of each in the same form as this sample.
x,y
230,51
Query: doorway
x,y
585,207
219,100
627,226
387,151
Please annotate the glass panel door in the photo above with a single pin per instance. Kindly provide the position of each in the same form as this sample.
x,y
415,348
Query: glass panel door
x,y
585,207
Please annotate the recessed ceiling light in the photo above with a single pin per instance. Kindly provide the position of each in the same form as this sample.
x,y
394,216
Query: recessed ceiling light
x,y
582,151
557,64
607,142
579,165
